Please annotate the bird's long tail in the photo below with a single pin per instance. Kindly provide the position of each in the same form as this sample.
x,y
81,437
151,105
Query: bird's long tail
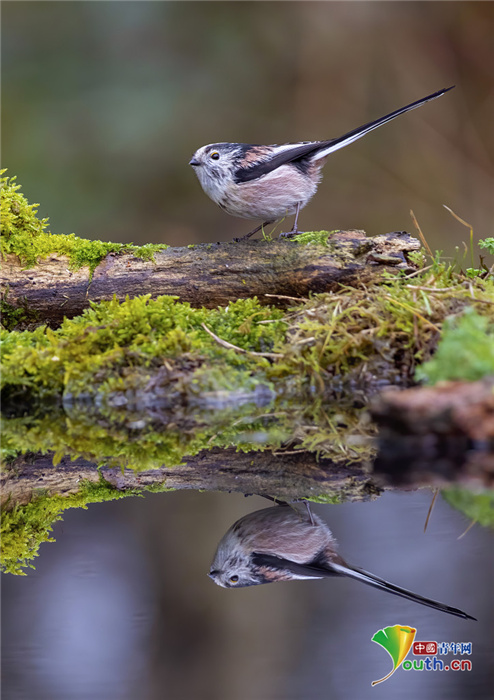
x,y
355,134
372,580
323,569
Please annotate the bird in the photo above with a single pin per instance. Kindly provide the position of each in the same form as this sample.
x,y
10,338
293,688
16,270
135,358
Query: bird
x,y
283,543
252,181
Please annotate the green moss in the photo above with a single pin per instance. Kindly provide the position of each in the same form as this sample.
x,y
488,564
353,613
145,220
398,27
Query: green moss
x,y
478,507
24,235
114,353
488,244
465,351
139,332
312,238
158,488
122,356
25,528
329,498
142,384
11,316
417,257
141,440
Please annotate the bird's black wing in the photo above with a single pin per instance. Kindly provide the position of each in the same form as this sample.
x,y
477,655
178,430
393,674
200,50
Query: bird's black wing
x,y
273,160
313,569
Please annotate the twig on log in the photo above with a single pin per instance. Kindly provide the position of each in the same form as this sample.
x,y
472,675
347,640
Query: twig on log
x,y
230,346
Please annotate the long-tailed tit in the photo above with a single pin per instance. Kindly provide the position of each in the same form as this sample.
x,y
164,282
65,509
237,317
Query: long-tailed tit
x,y
252,181
282,544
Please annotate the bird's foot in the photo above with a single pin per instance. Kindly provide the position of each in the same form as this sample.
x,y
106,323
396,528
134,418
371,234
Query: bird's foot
x,y
251,233
289,234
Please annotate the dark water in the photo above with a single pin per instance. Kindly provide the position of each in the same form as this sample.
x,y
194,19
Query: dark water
x,y
121,607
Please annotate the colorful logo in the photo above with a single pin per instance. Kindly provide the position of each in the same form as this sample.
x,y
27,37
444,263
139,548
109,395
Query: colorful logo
x,y
399,639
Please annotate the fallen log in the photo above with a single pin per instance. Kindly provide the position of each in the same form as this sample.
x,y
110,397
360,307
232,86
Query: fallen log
x,y
287,475
207,275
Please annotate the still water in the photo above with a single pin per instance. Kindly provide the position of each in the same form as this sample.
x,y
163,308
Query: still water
x,y
121,607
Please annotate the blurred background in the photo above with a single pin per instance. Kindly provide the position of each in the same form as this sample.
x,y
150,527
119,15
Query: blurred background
x,y
103,105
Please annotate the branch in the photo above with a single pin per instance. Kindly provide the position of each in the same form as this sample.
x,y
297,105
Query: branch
x,y
208,275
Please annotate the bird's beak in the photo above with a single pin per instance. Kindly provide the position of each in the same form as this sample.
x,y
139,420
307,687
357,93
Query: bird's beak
x,y
194,162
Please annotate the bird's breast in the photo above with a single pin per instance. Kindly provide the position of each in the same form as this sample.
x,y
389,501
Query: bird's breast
x,y
271,196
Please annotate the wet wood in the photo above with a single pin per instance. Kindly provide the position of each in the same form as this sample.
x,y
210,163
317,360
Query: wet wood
x,y
286,476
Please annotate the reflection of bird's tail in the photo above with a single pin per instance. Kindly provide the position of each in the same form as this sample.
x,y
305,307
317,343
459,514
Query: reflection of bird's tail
x,y
372,580
321,568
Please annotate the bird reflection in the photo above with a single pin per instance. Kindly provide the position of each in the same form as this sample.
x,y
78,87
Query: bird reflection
x,y
284,543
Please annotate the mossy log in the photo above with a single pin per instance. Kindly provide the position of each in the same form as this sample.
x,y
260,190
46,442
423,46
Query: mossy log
x,y
153,383
146,393
288,476
438,434
207,275
35,493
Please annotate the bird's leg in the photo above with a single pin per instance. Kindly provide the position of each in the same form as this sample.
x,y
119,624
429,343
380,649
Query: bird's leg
x,y
295,227
279,502
251,233
294,230
307,505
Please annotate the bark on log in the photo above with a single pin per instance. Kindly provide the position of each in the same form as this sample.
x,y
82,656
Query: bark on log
x,y
286,476
208,274
437,435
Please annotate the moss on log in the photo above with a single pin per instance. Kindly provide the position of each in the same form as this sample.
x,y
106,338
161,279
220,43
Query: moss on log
x,y
244,367
207,275
47,277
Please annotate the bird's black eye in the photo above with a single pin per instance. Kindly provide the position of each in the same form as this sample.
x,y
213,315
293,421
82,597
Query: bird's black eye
x,y
234,579
215,155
